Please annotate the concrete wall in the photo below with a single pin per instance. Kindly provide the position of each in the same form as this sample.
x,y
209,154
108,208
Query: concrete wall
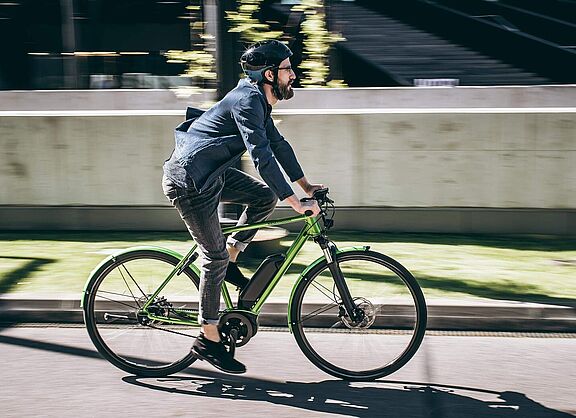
x,y
310,98
110,159
432,169
455,159
125,99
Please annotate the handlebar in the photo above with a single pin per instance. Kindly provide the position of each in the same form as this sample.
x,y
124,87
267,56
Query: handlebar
x,y
320,196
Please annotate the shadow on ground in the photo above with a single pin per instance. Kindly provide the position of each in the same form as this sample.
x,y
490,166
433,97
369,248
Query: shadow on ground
x,y
383,398
9,280
374,399
512,242
508,290
516,242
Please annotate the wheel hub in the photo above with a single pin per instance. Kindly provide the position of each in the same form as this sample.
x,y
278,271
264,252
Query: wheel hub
x,y
365,314
160,307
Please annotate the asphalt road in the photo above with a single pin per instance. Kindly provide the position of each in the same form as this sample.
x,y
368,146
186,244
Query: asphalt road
x,y
56,372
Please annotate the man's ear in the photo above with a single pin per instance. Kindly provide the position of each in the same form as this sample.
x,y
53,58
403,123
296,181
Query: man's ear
x,y
269,75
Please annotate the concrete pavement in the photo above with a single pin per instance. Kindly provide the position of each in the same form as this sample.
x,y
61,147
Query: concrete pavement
x,y
55,372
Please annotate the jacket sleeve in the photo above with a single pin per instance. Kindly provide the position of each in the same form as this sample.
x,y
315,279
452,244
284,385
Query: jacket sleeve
x,y
283,152
250,117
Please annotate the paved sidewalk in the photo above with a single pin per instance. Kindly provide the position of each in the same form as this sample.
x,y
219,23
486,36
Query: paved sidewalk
x,y
482,315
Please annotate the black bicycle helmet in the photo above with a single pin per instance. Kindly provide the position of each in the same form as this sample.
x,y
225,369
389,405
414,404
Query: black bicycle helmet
x,y
263,56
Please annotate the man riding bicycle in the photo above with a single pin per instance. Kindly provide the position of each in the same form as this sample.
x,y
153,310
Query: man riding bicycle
x,y
199,174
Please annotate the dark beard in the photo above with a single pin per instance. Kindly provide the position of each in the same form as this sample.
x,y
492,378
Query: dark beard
x,y
286,92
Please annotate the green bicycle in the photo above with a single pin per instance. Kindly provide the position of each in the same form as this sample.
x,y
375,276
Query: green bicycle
x,y
355,313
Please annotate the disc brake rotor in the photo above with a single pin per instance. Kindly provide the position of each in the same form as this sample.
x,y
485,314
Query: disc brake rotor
x,y
368,317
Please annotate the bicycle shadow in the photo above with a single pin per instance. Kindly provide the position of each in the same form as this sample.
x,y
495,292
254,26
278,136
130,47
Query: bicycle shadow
x,y
9,280
362,400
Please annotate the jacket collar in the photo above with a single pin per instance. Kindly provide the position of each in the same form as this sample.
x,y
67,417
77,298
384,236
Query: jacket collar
x,y
246,83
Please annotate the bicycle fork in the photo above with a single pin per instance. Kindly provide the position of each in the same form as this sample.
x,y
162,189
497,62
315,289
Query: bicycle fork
x,y
330,250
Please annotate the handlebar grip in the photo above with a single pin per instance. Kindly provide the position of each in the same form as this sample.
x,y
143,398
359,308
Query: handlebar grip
x,y
308,213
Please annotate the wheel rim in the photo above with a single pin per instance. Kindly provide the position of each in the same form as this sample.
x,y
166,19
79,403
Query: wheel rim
x,y
377,343
118,323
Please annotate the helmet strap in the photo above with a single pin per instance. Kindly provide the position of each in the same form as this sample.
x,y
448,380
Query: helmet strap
x,y
274,84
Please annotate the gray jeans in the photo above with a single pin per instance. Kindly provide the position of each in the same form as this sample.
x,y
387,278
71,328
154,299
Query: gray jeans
x,y
199,211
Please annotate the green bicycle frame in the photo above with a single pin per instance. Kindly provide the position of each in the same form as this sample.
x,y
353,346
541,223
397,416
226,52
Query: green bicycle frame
x,y
311,229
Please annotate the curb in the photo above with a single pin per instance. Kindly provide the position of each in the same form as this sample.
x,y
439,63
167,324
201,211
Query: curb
x,y
442,314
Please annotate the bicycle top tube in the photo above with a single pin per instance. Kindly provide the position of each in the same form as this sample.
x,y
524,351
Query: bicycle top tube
x,y
264,224
321,196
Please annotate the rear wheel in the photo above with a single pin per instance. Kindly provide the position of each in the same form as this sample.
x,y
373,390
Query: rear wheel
x,y
122,333
391,318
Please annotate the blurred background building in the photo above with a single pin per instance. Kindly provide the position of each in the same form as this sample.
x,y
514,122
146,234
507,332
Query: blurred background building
x,y
81,44
89,104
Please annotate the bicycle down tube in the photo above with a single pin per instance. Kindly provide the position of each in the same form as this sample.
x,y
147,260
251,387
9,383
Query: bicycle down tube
x,y
310,229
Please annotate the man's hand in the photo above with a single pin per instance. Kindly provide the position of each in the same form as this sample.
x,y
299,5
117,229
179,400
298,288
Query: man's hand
x,y
312,188
302,207
308,188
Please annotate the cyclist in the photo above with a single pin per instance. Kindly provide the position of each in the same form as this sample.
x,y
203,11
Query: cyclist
x,y
199,174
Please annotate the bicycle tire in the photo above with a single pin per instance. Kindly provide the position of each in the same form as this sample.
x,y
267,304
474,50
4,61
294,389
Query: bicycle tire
x,y
408,328
134,360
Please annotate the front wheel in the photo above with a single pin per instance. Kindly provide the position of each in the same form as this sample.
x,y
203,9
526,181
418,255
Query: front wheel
x,y
385,334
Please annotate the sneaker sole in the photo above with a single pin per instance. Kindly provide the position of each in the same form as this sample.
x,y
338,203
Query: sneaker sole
x,y
201,357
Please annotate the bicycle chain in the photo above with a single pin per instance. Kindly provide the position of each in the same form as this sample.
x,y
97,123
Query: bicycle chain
x,y
171,331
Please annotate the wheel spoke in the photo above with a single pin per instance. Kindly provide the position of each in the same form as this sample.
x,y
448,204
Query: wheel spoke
x,y
329,295
114,300
128,286
114,293
317,312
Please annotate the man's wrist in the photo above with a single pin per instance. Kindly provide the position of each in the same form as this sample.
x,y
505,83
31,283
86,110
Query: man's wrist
x,y
292,200
295,203
304,184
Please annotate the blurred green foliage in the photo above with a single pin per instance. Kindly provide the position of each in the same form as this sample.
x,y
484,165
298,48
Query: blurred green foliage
x,y
317,43
200,61
250,29
317,40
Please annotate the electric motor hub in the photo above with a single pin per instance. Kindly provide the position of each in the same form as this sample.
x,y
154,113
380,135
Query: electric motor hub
x,y
244,324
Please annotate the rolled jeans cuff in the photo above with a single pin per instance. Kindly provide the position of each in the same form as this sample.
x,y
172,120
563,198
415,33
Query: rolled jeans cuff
x,y
209,321
236,244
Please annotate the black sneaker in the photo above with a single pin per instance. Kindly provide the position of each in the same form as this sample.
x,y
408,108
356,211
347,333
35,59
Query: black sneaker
x,y
217,355
235,276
